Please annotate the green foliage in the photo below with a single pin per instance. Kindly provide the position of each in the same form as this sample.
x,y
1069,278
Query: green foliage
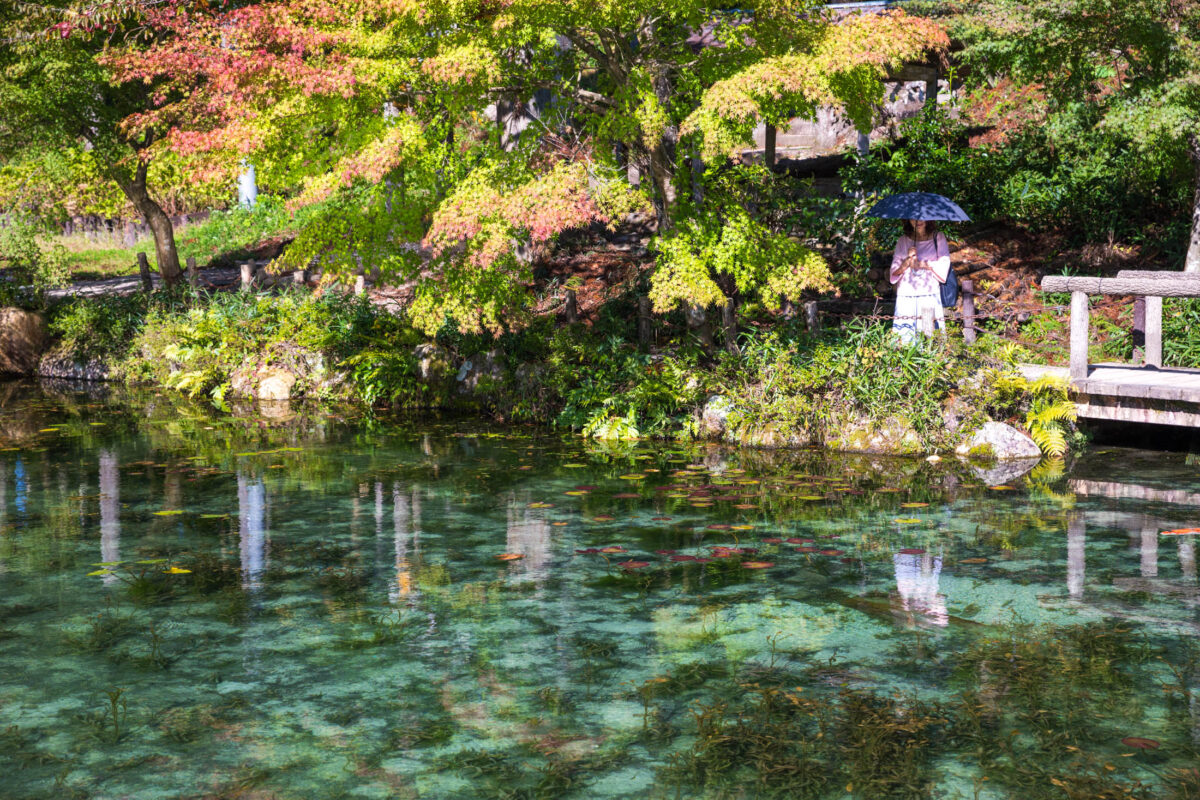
x,y
1049,413
1181,321
735,249
1066,175
99,328
26,261
234,233
610,389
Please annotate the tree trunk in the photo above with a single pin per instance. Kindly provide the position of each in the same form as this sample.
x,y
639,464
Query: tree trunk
x,y
165,253
1192,262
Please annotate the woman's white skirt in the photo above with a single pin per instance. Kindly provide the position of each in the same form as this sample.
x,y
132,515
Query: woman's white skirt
x,y
908,315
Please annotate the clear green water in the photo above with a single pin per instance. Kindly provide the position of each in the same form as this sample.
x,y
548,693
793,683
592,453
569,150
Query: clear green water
x,y
346,628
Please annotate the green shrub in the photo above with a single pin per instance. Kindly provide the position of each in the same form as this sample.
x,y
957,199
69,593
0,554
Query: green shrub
x,y
1065,174
27,262
1181,321
100,327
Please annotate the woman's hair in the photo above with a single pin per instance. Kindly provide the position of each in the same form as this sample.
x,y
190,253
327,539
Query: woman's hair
x,y
909,231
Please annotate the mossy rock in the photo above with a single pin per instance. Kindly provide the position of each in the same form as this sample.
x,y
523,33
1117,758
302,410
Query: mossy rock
x,y
892,436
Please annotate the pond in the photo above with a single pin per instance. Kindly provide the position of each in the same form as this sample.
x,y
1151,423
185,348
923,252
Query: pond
x,y
310,604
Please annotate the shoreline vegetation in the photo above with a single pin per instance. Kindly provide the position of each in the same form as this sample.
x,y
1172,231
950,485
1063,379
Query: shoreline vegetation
x,y
849,388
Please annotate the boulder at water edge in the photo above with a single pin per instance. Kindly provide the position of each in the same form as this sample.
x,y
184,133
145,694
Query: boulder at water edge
x,y
276,384
23,339
893,436
714,420
1000,441
481,372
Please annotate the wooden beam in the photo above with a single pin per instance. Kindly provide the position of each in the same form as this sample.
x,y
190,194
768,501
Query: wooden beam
x,y
1079,336
1174,285
968,310
1154,331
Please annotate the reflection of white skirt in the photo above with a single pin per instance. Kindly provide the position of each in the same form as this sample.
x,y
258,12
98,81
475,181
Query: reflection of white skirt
x,y
908,315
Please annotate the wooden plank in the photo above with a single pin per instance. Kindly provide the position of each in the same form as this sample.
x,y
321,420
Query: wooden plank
x,y
1137,391
1112,409
1154,331
1173,286
1079,335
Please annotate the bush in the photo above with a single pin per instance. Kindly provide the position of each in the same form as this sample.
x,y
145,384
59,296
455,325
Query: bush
x,y
98,328
1065,174
27,262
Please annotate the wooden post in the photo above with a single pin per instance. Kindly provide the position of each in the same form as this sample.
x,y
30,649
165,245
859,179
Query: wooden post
x,y
1139,330
811,319
968,311
191,271
928,321
729,323
1079,336
769,147
360,284
1154,332
144,271
644,321
247,273
571,308
300,277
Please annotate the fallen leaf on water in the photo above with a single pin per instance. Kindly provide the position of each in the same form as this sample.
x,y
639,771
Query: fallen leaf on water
x,y
757,564
167,513
510,556
176,571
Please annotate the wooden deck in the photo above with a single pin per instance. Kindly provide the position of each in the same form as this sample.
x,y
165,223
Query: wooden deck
x,y
1124,393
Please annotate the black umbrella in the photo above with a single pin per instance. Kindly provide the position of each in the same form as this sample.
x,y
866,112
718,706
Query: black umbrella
x,y
918,205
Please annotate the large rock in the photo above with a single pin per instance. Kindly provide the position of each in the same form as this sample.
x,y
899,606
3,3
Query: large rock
x,y
893,436
956,412
23,339
275,384
481,372
59,365
714,419
769,435
999,441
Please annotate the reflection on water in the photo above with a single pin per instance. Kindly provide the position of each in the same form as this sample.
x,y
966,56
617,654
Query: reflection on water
x,y
917,585
452,612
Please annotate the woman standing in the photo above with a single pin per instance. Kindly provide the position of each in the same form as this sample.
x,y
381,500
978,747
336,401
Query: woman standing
x,y
919,268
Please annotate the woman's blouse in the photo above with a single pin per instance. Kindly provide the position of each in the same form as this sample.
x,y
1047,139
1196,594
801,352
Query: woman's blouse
x,y
918,281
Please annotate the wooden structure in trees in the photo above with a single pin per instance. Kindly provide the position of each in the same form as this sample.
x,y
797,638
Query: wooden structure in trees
x,y
1148,393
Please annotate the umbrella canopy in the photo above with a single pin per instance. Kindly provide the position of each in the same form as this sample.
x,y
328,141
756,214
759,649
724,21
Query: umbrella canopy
x,y
918,205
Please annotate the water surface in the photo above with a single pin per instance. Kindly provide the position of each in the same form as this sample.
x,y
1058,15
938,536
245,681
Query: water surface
x,y
312,605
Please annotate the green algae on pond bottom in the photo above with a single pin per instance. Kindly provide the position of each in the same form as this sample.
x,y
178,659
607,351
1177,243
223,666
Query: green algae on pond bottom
x,y
398,612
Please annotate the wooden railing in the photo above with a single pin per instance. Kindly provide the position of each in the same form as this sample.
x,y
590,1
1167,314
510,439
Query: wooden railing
x,y
1152,286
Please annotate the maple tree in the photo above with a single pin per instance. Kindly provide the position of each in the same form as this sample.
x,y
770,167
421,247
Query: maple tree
x,y
390,114
58,97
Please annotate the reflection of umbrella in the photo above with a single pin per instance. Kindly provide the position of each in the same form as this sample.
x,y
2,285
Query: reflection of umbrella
x,y
918,205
